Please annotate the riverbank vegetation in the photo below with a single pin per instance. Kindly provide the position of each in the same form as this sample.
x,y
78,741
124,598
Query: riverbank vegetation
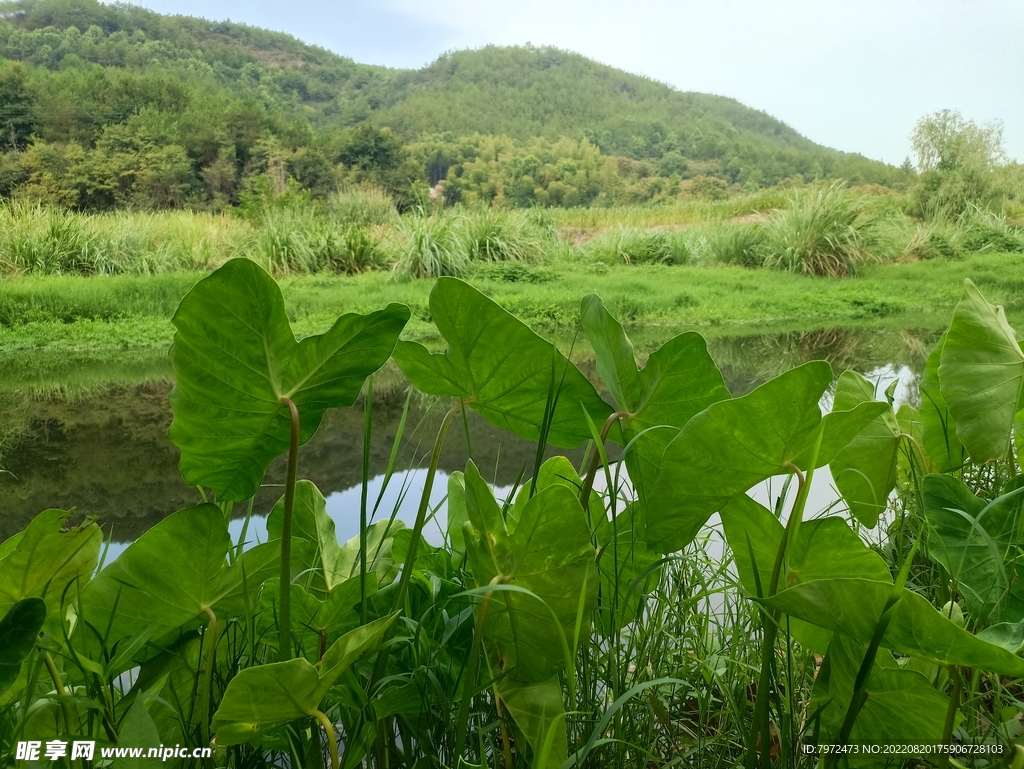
x,y
579,619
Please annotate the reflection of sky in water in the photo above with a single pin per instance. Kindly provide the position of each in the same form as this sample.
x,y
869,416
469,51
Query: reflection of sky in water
x,y
402,494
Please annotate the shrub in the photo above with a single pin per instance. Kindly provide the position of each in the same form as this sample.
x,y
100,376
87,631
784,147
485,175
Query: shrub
x,y
502,236
822,233
631,245
365,207
429,247
741,244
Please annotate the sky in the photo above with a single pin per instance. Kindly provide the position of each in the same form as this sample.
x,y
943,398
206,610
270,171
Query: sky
x,y
851,74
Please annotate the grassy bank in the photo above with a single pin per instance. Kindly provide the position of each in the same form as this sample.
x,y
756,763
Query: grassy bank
x,y
117,314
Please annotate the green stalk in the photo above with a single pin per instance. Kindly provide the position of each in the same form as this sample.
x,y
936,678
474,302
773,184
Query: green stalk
x,y
332,738
762,716
285,592
595,461
206,680
954,703
367,428
469,682
70,725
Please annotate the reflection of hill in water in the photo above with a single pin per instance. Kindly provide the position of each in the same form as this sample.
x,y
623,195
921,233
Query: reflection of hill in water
x,y
105,450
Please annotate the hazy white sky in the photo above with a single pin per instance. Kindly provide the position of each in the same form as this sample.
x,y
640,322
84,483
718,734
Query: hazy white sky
x,y
850,74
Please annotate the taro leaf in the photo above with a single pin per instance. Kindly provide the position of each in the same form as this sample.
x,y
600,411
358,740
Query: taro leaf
x,y
981,375
549,554
170,576
457,518
501,369
976,542
318,623
865,469
235,358
538,711
8,545
138,730
735,444
853,607
260,699
938,428
330,564
824,548
679,381
18,631
173,676
48,561
902,707
1009,635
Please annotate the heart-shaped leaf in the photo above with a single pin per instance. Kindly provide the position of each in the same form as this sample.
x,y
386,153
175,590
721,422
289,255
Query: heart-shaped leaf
x,y
538,711
679,381
938,428
864,470
977,542
501,369
735,444
236,359
260,699
18,631
50,562
853,607
549,554
981,375
170,576
329,564
901,708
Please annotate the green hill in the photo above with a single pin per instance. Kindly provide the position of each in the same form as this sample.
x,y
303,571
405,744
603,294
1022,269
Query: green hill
x,y
113,105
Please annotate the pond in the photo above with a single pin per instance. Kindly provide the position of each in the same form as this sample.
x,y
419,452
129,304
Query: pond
x,y
103,450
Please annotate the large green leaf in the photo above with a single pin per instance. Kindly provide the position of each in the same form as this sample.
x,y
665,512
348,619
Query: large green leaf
x,y
501,368
50,562
735,444
864,470
260,699
317,623
938,428
170,576
977,543
18,631
901,707
824,548
679,381
549,554
627,569
538,711
328,563
138,730
981,375
527,634
853,607
235,359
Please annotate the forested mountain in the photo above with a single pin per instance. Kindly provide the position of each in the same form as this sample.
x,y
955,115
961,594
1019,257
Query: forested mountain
x,y
113,105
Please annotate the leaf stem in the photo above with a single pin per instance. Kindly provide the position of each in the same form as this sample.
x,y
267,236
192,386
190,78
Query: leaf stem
x,y
332,738
206,680
595,461
954,703
285,591
70,724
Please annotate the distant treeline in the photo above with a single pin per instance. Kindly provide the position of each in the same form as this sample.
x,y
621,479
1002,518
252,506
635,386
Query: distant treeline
x,y
112,106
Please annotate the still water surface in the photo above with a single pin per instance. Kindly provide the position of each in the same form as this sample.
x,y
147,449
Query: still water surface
x,y
104,450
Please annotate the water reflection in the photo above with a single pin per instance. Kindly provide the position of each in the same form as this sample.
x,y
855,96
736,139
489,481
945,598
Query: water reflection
x,y
104,449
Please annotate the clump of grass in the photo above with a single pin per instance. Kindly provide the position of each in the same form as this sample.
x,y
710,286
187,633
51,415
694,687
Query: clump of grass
x,y
983,231
300,241
429,247
631,245
503,236
364,207
740,244
822,233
